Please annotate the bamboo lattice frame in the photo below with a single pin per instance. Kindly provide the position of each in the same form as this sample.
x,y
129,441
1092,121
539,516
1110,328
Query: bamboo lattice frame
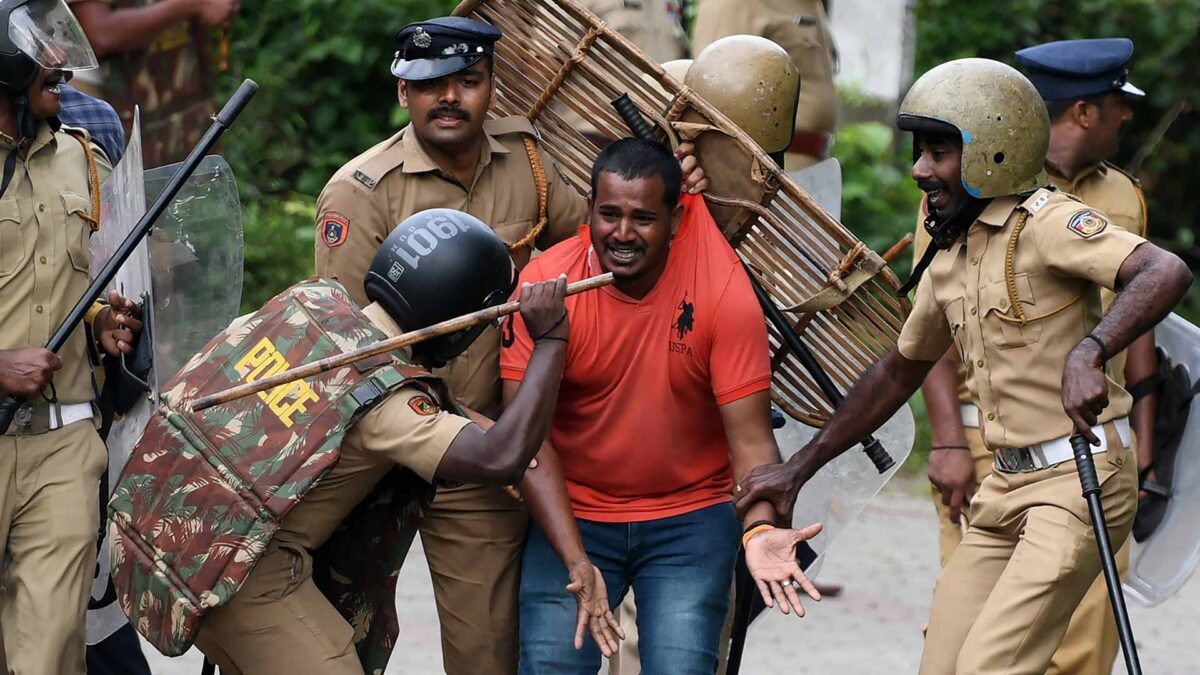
x,y
556,55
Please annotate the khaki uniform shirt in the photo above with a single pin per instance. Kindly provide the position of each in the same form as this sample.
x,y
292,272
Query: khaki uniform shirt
x,y
1066,252
801,28
395,179
1103,186
44,253
407,429
655,26
1119,196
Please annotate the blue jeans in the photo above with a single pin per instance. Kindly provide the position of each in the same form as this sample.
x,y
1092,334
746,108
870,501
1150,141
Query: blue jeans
x,y
680,569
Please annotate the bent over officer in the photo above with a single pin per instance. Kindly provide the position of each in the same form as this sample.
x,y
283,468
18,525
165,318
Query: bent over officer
x,y
1013,286
281,620
51,457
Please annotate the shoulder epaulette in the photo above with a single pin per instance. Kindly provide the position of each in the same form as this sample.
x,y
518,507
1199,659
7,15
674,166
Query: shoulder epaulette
x,y
515,124
379,161
1113,167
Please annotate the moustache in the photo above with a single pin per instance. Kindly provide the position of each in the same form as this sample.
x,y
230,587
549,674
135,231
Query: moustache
x,y
931,185
447,111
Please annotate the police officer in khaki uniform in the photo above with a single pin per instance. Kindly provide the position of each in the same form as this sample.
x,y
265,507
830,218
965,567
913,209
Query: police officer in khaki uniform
x,y
1029,327
51,457
279,621
801,28
1085,87
450,157
655,26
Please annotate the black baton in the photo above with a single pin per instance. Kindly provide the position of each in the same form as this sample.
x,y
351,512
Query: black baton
x,y
224,119
1112,577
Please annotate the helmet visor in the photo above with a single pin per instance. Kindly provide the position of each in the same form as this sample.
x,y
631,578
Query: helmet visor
x,y
47,32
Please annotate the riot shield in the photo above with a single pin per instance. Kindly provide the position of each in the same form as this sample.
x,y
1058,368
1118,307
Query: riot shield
x,y
187,274
196,251
823,181
843,487
1162,564
122,202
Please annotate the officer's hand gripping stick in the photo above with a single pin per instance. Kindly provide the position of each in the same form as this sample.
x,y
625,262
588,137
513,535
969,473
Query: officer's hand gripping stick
x,y
1091,492
224,119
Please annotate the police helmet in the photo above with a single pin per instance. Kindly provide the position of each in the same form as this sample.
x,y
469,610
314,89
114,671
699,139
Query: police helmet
x,y
437,265
40,33
1000,116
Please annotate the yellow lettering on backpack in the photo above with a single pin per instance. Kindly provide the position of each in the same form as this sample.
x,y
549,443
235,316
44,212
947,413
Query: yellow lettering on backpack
x,y
264,360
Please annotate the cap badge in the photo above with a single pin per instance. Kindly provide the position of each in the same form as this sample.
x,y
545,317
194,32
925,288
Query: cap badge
x,y
422,39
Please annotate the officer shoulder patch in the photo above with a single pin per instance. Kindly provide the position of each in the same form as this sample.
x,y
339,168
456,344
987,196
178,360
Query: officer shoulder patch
x,y
334,228
1087,223
423,406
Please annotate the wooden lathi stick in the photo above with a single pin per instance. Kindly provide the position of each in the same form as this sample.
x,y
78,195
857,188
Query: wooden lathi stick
x,y
410,338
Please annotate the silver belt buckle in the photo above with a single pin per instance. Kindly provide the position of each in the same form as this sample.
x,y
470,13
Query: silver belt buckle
x,y
23,417
1016,460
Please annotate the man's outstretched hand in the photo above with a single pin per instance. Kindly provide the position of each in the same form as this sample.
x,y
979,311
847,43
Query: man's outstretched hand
x,y
771,560
594,614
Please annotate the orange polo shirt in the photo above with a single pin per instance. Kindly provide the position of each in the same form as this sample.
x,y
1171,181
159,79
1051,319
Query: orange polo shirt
x,y
637,425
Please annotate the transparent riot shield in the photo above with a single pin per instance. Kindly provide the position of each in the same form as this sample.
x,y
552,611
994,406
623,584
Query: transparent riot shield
x,y
196,252
823,182
188,276
122,203
1162,564
844,487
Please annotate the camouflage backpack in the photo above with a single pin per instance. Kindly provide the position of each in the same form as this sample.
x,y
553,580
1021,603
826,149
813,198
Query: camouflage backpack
x,y
203,493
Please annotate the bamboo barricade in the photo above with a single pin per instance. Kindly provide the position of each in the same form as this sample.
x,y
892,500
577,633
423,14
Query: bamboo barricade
x,y
558,62
391,344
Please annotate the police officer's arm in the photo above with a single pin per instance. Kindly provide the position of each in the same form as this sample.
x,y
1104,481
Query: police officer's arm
x,y
1151,282
500,455
114,30
877,396
351,225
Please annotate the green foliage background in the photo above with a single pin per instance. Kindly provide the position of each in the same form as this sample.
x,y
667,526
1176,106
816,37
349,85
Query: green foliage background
x,y
327,95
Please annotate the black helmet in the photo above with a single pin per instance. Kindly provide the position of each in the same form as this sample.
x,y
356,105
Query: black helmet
x,y
39,32
436,265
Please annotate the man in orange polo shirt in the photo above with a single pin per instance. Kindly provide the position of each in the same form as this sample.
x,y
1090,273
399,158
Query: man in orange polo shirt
x,y
664,399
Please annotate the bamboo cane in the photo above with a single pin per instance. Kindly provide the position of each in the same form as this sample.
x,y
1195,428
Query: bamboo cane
x,y
410,338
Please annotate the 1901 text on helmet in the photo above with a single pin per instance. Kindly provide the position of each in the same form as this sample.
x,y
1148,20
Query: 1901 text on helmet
x,y
436,265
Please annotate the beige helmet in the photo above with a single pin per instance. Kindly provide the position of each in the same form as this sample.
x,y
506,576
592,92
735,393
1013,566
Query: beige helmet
x,y
1000,115
754,83
677,68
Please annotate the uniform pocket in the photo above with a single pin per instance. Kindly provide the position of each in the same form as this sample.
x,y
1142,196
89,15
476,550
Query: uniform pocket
x,y
12,248
956,319
999,327
78,231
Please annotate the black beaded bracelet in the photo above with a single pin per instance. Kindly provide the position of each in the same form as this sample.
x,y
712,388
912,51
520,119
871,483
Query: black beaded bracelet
x,y
756,523
1103,349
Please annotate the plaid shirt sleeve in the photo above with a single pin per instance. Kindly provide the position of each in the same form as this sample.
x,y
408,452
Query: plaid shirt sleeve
x,y
98,117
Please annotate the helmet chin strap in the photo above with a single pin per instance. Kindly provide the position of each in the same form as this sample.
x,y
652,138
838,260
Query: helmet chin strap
x,y
27,128
943,233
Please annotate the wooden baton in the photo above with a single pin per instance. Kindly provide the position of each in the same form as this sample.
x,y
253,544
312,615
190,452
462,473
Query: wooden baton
x,y
410,338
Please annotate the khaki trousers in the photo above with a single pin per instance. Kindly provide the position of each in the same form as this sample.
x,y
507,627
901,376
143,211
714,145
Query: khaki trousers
x,y
49,519
472,537
1091,643
279,623
1027,559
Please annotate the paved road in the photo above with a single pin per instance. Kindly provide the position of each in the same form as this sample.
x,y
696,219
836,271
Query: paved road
x,y
887,560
